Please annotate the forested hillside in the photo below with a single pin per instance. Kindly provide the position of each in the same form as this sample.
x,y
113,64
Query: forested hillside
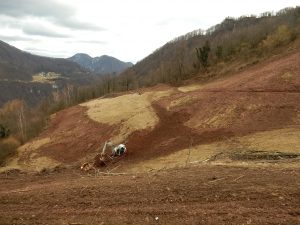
x,y
19,65
226,47
33,78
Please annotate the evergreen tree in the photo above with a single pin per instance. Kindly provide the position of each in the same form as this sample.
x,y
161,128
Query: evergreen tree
x,y
202,54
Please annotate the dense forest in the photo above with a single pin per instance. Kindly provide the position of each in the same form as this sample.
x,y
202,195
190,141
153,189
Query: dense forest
x,y
232,45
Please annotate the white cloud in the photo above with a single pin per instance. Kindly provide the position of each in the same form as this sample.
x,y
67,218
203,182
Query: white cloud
x,y
43,31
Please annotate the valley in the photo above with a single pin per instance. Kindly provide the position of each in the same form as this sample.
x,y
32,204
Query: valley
x,y
208,123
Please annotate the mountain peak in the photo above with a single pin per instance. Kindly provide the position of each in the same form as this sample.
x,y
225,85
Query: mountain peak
x,y
81,54
104,64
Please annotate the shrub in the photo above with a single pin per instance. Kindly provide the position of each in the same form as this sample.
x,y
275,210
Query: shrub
x,y
282,36
4,132
8,147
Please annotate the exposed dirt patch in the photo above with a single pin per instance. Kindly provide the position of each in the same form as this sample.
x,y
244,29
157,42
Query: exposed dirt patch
x,y
74,136
170,135
243,112
192,155
194,195
281,140
265,77
278,143
26,157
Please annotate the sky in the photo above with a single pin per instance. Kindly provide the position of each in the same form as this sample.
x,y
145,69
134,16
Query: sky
x,y
126,29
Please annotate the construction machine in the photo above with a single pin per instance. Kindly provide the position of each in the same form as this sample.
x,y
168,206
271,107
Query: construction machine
x,y
105,158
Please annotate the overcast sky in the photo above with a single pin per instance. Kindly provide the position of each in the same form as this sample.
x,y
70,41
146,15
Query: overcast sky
x,y
126,29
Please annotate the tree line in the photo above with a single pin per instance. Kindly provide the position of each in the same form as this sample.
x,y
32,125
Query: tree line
x,y
205,53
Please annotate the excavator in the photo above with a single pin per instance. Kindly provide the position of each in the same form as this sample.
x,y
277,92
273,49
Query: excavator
x,y
103,159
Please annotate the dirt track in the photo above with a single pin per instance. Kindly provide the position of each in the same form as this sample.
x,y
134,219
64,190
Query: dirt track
x,y
194,195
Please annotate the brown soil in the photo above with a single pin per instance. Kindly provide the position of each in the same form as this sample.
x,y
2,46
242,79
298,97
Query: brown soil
x,y
191,195
73,135
169,135
244,117
262,98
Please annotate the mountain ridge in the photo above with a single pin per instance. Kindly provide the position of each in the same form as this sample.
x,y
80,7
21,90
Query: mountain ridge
x,y
100,64
32,77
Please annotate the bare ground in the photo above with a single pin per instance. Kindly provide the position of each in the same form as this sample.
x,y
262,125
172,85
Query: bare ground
x,y
193,195
162,120
241,133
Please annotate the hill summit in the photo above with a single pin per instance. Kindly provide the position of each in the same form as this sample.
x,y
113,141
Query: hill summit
x,y
103,64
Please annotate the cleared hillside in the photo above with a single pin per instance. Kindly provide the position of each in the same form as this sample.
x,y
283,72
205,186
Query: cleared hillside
x,y
244,115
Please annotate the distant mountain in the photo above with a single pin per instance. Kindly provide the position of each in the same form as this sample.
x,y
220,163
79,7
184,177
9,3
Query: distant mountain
x,y
102,65
31,77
